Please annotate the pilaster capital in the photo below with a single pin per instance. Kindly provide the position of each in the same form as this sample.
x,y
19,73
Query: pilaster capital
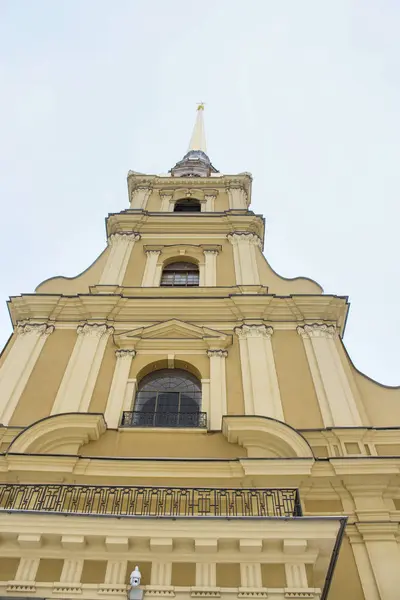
x,y
217,353
125,354
244,237
123,237
317,330
38,329
211,251
94,329
152,252
166,194
253,331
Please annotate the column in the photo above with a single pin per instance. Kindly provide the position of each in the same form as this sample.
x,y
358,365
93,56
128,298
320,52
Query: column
x,y
260,381
250,575
363,564
80,376
139,197
18,366
119,383
210,268
205,398
210,202
335,397
218,406
244,256
206,575
237,198
150,270
384,555
121,245
166,201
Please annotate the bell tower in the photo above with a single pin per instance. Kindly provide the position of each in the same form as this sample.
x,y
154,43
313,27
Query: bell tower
x,y
181,411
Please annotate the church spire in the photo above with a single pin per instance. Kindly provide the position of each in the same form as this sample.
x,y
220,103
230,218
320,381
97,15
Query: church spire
x,y
195,163
198,139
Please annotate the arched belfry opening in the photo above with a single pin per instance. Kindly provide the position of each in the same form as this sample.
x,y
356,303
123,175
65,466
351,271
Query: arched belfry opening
x,y
187,205
168,398
180,274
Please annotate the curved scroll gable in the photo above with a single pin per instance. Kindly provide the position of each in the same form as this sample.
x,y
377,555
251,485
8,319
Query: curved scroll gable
x,y
279,285
59,434
264,437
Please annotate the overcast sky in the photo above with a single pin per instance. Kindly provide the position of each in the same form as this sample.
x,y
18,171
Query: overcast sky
x,y
303,94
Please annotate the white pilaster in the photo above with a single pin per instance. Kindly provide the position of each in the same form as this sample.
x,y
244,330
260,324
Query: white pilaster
x,y
27,570
161,573
250,575
150,270
206,575
80,376
72,570
296,575
364,569
335,396
237,198
166,202
121,245
260,381
244,255
139,197
384,556
210,202
115,572
18,366
205,398
218,405
119,383
210,268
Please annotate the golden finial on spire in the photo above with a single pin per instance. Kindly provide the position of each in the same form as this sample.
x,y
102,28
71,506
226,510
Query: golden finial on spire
x,y
200,106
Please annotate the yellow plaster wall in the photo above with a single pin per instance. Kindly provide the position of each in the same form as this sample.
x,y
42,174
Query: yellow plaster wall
x,y
145,570
75,285
161,443
225,265
381,403
387,449
93,571
323,506
234,386
346,581
300,403
282,286
228,574
8,568
136,264
101,390
183,574
273,575
39,394
7,348
49,569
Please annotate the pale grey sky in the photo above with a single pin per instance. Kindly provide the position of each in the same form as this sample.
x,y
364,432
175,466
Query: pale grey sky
x,y
304,94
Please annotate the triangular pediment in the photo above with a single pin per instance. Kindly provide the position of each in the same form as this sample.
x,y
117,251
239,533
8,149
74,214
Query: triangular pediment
x,y
173,329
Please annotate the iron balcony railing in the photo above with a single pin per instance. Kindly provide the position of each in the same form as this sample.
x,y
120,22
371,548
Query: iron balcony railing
x,y
127,501
138,418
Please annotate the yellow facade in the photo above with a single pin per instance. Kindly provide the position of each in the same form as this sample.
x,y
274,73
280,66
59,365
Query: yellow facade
x,y
282,482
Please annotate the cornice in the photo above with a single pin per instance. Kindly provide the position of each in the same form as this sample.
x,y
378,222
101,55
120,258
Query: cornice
x,y
220,304
138,180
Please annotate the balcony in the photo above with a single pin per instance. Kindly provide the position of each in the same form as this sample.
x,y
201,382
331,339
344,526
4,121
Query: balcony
x,y
138,418
149,502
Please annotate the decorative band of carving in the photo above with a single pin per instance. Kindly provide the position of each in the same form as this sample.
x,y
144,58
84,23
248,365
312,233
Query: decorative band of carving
x,y
24,328
28,586
125,237
220,353
240,237
125,354
94,329
317,330
253,331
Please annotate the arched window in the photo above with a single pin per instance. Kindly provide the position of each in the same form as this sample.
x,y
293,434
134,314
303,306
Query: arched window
x,y
187,205
168,398
180,274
